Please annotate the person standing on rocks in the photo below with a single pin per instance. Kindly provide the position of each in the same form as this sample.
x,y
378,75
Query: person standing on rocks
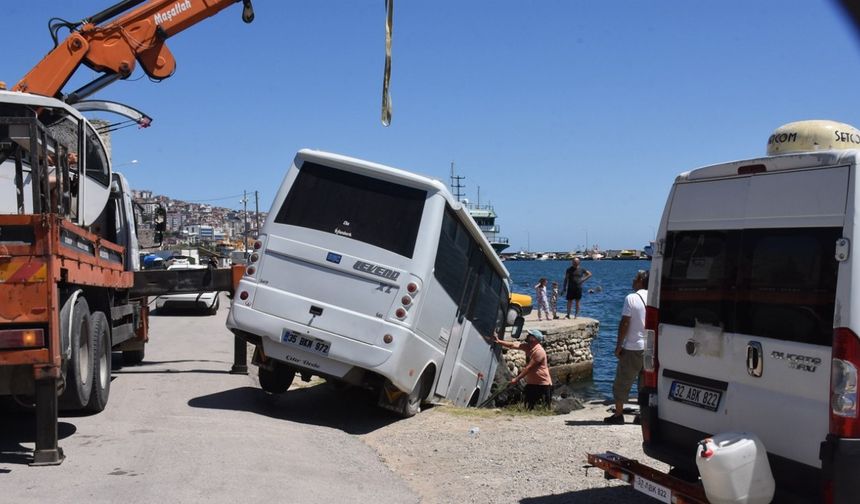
x,y
630,345
574,277
536,371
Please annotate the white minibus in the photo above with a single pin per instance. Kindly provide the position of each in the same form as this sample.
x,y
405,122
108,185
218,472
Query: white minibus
x,y
377,277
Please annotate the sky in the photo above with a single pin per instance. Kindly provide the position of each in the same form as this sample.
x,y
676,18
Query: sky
x,y
573,117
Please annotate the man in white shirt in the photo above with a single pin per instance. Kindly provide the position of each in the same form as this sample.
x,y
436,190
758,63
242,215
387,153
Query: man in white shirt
x,y
630,345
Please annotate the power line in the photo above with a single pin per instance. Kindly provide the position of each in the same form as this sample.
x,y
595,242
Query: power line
x,y
214,199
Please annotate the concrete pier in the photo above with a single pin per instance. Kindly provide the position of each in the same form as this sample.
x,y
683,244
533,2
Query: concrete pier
x,y
567,345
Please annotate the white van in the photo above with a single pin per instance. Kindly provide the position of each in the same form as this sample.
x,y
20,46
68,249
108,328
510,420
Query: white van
x,y
754,311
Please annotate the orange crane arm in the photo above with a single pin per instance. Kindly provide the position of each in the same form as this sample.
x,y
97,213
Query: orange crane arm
x,y
113,48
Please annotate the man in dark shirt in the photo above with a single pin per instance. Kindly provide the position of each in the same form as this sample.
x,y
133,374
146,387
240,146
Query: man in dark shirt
x,y
574,277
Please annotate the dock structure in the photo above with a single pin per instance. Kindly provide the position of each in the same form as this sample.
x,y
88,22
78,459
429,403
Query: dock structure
x,y
568,348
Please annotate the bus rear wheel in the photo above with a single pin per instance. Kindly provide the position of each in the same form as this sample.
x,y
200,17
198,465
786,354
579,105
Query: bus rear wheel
x,y
277,378
409,405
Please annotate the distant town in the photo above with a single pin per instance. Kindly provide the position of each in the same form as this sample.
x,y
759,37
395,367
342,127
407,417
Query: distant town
x,y
190,225
220,231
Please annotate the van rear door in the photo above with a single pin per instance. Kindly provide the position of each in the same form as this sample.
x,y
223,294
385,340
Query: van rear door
x,y
747,295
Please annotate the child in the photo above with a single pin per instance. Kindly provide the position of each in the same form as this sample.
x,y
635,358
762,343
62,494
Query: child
x,y
542,304
553,300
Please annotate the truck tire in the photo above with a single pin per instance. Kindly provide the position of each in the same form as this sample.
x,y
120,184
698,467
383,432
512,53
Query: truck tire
x,y
133,357
79,368
102,366
278,379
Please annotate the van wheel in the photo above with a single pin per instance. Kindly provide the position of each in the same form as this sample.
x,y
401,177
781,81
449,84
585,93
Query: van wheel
x,y
278,379
79,368
102,368
133,357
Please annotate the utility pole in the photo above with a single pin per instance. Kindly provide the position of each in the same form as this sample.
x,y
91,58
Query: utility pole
x,y
245,220
257,213
456,185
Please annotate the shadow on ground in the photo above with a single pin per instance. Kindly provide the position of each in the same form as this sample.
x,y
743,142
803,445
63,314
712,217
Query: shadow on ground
x,y
608,495
352,410
181,312
148,366
19,427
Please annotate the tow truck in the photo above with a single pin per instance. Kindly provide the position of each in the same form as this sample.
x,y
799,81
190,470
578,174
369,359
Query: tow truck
x,y
71,287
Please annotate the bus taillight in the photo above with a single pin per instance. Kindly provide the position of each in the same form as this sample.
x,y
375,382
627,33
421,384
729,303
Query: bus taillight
x,y
412,288
406,300
844,420
400,313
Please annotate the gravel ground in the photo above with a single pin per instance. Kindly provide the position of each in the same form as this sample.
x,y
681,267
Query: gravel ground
x,y
513,458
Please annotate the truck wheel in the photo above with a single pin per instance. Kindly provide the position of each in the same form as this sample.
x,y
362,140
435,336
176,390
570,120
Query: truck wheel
x,y
277,379
132,357
102,368
79,368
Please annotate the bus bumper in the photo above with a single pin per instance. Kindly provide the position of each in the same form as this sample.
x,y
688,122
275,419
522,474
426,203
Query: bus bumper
x,y
343,354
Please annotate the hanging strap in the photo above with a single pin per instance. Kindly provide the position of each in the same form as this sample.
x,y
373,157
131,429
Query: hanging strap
x,y
386,76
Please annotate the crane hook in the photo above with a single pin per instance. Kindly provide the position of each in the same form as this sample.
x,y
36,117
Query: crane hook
x,y
247,11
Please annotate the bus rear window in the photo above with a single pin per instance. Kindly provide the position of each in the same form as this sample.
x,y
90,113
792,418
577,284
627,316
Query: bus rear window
x,y
366,209
774,283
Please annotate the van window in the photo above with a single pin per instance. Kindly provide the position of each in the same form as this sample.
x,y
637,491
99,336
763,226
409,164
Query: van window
x,y
773,283
366,209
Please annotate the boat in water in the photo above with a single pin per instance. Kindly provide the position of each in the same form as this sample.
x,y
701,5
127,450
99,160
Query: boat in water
x,y
484,215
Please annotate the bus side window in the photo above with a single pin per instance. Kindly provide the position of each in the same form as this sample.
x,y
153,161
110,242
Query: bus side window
x,y
452,258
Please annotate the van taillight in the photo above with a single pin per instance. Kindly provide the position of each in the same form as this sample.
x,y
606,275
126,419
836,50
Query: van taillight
x,y
650,364
844,421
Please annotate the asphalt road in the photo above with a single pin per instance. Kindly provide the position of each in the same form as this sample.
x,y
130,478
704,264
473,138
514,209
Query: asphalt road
x,y
179,428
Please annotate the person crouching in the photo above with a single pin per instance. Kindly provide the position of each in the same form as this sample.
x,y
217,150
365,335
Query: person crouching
x,y
536,372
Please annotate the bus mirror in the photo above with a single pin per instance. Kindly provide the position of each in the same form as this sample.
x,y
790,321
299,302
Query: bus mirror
x,y
517,327
512,316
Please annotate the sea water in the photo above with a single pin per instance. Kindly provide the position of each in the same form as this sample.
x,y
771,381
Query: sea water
x,y
610,282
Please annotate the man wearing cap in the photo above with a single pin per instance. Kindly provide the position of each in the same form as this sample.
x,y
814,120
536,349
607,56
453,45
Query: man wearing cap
x,y
538,381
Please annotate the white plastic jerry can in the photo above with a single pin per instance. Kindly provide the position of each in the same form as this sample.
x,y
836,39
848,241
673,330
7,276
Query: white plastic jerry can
x,y
735,469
